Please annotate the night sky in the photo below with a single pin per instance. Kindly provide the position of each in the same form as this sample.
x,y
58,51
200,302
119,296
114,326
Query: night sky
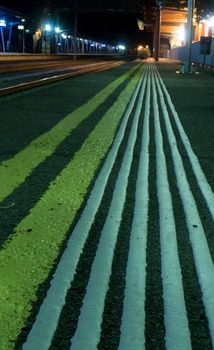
x,y
112,21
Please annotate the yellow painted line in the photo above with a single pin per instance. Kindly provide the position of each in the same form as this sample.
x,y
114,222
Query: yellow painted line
x,y
28,256
14,171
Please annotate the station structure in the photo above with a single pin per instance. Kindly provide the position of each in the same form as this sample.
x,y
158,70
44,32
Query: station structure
x,y
48,38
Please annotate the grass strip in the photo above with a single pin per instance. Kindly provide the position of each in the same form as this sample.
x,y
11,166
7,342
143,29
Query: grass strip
x,y
14,171
28,256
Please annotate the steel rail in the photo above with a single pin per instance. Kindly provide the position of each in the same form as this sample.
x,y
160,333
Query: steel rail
x,y
22,66
24,86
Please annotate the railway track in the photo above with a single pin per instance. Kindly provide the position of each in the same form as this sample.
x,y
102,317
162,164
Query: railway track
x,y
136,270
58,73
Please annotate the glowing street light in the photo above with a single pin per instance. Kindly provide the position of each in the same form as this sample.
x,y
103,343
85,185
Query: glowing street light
x,y
210,21
2,23
21,27
48,27
121,47
181,33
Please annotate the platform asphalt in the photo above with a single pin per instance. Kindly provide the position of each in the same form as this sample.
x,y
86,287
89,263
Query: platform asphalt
x,y
107,212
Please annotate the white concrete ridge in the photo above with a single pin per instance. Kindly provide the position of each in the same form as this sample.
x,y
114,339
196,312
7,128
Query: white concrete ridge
x,y
202,257
200,176
175,316
88,331
133,318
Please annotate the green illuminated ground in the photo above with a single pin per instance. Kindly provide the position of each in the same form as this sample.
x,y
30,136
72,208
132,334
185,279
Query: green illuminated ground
x,y
27,257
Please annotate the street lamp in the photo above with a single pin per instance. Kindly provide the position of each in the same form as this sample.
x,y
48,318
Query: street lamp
x,y
21,27
2,24
57,31
47,29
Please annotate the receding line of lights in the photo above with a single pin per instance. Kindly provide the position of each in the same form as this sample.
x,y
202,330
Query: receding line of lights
x,y
57,30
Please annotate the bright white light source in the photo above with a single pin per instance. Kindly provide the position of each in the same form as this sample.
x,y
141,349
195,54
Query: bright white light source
x,y
121,47
64,36
210,22
2,23
181,33
140,47
57,30
48,27
20,27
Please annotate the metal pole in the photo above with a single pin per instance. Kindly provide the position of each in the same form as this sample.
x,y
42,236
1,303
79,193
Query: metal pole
x,y
45,40
75,31
23,41
157,33
10,35
2,39
188,54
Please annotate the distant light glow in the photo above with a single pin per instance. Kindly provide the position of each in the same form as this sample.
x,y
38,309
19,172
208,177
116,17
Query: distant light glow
x,y
20,27
23,20
57,30
103,45
2,23
210,22
140,47
121,47
181,33
64,36
48,27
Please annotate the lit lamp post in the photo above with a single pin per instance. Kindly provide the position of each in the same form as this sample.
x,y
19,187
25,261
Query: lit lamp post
x,y
57,31
22,27
2,24
48,29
